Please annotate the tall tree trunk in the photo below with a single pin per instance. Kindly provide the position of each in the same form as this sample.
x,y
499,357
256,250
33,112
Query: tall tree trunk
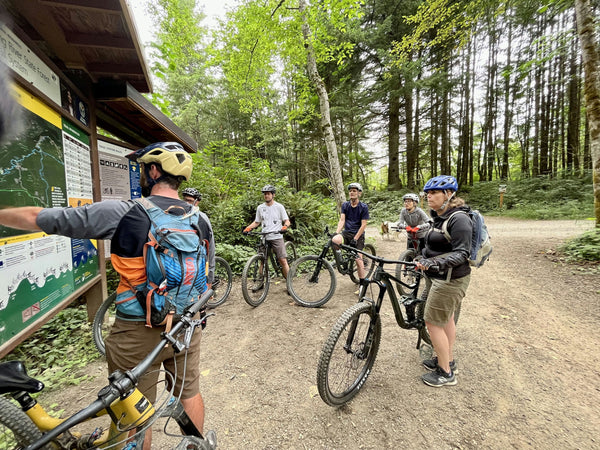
x,y
335,172
394,136
508,114
411,155
591,62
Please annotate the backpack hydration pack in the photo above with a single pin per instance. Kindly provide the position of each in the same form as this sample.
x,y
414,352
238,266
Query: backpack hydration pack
x,y
481,246
175,259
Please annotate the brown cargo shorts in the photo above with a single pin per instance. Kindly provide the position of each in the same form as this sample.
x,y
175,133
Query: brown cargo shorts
x,y
444,298
129,342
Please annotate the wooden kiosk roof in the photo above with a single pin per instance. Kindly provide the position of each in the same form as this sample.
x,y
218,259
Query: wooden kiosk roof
x,y
95,44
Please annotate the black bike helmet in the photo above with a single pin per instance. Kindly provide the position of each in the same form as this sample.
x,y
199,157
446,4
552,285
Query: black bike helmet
x,y
191,192
269,188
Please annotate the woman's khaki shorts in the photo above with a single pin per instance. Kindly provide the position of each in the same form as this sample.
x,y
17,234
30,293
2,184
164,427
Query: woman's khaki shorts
x,y
129,342
444,298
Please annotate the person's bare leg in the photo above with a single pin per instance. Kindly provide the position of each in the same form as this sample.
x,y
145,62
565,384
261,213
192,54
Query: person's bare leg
x,y
194,407
284,267
439,339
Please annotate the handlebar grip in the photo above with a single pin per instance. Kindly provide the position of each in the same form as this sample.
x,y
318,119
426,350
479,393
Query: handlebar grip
x,y
194,308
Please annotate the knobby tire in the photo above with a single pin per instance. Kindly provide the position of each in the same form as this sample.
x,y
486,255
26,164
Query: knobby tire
x,y
222,283
369,266
16,429
290,250
309,286
255,283
404,273
103,322
343,369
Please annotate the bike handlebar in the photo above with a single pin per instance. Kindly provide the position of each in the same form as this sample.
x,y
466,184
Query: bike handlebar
x,y
122,383
382,260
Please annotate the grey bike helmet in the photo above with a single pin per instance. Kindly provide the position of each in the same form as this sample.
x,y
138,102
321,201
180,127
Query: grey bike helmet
x,y
268,188
191,192
413,197
355,186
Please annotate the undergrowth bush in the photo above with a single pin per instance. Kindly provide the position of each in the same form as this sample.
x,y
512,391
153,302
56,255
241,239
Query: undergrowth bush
x,y
56,352
583,248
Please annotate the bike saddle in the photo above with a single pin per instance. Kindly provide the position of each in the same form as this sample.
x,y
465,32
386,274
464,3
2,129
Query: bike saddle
x,y
13,377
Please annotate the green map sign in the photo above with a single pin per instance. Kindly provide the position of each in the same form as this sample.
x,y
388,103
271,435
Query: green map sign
x,y
47,165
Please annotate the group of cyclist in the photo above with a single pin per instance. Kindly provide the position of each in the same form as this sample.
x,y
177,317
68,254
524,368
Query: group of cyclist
x,y
164,166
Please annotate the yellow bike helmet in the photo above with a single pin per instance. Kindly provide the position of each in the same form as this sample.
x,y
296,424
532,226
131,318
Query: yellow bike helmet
x,y
171,156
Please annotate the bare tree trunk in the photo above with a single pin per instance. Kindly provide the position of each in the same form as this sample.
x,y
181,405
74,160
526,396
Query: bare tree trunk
x,y
394,138
508,114
411,155
335,172
591,63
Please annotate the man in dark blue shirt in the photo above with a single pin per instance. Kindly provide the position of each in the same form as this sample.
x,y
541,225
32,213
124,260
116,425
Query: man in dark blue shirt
x,y
353,221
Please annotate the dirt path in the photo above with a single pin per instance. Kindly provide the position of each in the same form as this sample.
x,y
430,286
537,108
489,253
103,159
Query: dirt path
x,y
527,348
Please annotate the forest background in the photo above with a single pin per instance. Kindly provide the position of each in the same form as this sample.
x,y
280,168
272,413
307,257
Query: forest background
x,y
310,96
393,92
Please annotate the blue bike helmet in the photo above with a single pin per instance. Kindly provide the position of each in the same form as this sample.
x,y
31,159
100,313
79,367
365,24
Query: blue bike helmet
x,y
441,183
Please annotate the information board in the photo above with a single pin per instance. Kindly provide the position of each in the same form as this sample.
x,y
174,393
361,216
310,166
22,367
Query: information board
x,y
47,165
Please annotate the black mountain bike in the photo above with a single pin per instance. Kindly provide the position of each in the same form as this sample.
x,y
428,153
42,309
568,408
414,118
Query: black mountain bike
x,y
105,316
29,425
256,276
311,281
351,348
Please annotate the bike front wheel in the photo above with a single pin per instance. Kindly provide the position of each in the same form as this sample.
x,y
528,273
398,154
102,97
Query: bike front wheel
x,y
16,429
255,280
103,322
405,273
222,283
311,281
348,354
368,263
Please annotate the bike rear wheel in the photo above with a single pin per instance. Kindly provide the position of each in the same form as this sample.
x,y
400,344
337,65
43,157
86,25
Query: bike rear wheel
x,y
103,322
348,354
290,250
16,429
368,263
311,281
404,273
255,280
222,283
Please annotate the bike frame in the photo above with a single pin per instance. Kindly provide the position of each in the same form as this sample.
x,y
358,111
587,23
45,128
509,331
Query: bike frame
x,y
384,280
121,400
265,250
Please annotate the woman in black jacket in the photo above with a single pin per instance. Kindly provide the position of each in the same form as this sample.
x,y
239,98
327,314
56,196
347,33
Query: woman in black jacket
x,y
446,265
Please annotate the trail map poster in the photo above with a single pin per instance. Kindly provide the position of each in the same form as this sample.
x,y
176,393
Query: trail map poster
x,y
38,271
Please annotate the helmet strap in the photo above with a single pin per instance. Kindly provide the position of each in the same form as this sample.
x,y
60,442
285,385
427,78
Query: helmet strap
x,y
448,198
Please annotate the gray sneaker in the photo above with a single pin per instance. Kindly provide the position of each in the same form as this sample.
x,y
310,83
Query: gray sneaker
x,y
431,364
439,378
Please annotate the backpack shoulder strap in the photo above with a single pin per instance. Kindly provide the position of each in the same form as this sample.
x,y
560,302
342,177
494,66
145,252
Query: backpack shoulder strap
x,y
445,224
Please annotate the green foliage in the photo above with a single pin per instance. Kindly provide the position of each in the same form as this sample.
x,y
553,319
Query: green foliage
x,y
56,352
541,198
583,248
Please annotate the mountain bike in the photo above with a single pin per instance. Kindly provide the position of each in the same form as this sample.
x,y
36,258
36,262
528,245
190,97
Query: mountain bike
x,y
350,350
105,316
256,276
404,272
311,280
30,425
